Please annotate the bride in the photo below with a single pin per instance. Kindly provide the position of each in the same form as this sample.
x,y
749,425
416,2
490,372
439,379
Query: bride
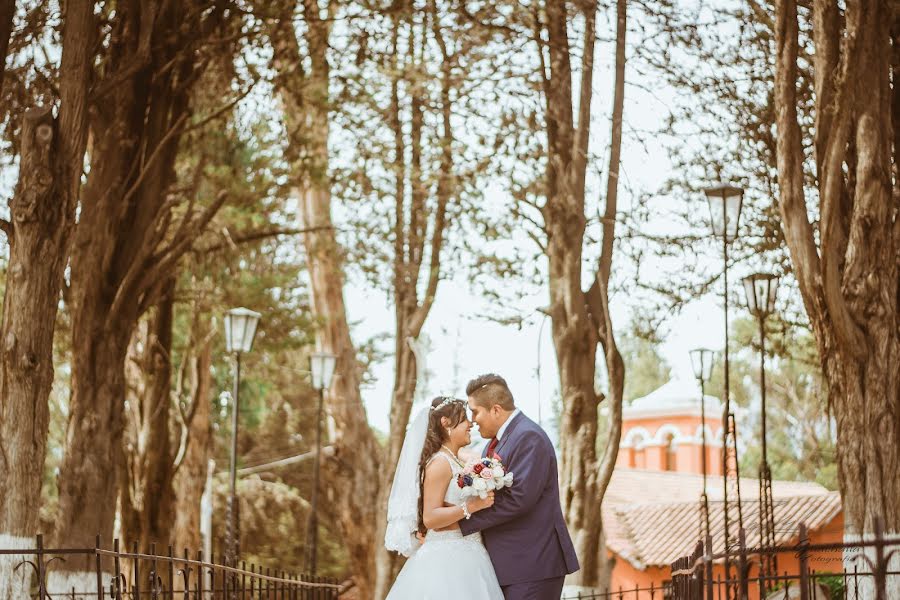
x,y
447,564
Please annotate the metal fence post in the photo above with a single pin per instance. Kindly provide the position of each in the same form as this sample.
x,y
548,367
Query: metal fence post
x,y
41,569
200,575
99,568
804,562
880,561
743,568
118,565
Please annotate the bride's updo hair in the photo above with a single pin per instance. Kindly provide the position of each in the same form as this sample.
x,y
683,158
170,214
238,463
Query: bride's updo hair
x,y
436,436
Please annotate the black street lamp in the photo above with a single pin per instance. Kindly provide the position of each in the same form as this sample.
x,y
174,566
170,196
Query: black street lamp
x,y
702,362
760,290
321,367
725,203
240,331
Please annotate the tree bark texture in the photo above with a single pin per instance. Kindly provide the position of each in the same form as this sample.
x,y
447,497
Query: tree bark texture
x,y
598,294
191,461
580,319
42,215
146,492
848,274
7,11
124,247
357,457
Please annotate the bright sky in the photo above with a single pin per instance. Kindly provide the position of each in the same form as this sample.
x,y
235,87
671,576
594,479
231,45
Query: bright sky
x,y
463,346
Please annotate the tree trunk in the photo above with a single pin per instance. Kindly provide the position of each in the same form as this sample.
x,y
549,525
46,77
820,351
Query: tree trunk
x,y
581,320
599,302
574,338
387,563
146,493
116,267
190,473
410,240
848,278
42,216
356,462
357,458
7,11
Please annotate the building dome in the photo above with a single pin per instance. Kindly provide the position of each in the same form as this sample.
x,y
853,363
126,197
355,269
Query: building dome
x,y
675,398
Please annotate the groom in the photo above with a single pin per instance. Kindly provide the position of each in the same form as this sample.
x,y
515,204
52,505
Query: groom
x,y
524,531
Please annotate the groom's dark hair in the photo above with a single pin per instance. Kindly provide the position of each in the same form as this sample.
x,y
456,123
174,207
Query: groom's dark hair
x,y
490,389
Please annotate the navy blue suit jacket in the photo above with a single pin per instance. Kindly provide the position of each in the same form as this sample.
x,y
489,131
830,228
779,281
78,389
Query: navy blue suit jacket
x,y
524,532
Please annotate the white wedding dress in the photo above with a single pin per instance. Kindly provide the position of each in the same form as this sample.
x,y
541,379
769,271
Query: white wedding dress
x,y
448,566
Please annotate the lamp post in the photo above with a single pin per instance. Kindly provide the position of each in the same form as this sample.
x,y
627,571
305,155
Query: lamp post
x,y
321,367
240,331
760,290
702,363
725,202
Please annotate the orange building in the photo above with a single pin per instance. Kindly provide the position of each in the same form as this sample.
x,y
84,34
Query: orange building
x,y
651,509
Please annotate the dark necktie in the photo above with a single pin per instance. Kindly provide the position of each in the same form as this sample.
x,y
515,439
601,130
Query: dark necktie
x,y
491,447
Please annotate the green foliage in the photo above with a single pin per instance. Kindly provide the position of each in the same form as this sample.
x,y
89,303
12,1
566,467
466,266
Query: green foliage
x,y
241,262
800,430
835,585
645,369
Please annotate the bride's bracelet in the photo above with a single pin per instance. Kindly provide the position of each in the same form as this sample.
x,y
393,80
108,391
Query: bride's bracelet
x,y
466,513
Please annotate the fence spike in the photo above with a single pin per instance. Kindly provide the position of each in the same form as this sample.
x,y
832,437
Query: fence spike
x,y
136,581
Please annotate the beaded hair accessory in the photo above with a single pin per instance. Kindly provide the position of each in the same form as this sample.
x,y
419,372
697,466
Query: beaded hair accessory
x,y
446,400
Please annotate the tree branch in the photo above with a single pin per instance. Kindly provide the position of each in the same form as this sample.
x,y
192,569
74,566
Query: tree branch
x,y
444,191
798,231
256,236
832,187
144,277
586,92
615,151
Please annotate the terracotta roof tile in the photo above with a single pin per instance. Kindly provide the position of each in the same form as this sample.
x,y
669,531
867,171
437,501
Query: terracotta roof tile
x,y
652,517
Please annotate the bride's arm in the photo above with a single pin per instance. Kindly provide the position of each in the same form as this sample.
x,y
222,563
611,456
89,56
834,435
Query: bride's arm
x,y
438,476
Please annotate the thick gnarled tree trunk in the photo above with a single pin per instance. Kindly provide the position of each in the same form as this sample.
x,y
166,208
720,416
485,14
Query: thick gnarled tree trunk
x,y
848,275
123,249
42,217
7,11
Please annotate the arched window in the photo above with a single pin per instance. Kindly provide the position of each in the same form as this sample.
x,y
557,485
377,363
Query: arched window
x,y
671,453
640,455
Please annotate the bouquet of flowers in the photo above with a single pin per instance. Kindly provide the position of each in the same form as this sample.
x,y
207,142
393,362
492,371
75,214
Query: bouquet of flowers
x,y
483,475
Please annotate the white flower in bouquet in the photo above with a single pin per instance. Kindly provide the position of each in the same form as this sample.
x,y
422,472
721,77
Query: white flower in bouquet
x,y
483,475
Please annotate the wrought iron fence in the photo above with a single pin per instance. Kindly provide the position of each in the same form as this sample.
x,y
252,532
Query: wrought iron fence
x,y
134,575
694,577
654,592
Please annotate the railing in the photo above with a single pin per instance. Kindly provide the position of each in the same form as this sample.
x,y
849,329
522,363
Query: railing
x,y
654,592
870,576
119,575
